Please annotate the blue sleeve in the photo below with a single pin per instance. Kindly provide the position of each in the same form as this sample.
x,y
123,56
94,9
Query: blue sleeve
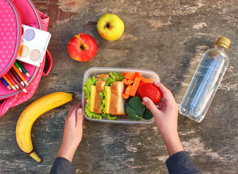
x,y
181,163
62,166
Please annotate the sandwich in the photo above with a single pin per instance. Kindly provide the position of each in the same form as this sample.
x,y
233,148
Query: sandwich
x,y
111,96
104,96
99,90
117,103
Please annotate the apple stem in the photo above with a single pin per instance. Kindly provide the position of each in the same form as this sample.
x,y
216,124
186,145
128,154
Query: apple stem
x,y
107,25
82,47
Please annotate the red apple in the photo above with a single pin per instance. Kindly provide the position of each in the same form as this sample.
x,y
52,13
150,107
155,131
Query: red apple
x,y
82,47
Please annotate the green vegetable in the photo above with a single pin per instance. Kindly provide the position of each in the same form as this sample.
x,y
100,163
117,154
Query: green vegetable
x,y
113,76
109,116
148,114
116,76
102,106
103,100
91,114
135,109
109,81
137,105
86,88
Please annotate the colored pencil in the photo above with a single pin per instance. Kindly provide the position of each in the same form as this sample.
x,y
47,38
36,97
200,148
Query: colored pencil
x,y
18,67
5,83
20,74
18,78
23,68
8,81
12,81
13,77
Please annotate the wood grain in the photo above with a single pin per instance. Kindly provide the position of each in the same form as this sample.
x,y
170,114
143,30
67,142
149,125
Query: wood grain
x,y
168,37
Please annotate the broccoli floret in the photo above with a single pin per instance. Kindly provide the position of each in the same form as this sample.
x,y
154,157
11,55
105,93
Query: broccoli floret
x,y
135,109
132,113
148,114
136,104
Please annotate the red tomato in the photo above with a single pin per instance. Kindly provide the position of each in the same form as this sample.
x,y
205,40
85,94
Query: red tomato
x,y
151,91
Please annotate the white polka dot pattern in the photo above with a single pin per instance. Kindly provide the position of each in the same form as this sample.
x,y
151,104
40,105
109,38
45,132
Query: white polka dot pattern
x,y
19,97
8,34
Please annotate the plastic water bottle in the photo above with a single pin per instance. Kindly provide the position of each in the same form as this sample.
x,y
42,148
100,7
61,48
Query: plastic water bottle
x,y
205,81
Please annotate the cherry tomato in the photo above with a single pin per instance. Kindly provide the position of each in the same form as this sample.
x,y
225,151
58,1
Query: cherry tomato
x,y
151,91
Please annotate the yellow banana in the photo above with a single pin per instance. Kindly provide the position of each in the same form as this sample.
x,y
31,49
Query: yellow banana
x,y
31,113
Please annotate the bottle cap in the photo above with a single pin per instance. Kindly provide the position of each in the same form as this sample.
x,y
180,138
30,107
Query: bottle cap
x,y
224,42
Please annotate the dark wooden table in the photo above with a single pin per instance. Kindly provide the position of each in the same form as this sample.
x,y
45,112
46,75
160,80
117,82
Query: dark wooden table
x,y
168,37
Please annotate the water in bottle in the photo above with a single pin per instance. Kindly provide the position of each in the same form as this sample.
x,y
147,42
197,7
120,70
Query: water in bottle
x,y
205,81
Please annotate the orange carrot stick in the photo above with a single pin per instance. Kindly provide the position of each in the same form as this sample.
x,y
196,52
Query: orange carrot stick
x,y
125,96
129,75
130,82
143,79
128,88
125,81
135,86
146,80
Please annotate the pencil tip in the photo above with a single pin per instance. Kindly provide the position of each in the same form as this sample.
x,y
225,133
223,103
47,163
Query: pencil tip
x,y
24,90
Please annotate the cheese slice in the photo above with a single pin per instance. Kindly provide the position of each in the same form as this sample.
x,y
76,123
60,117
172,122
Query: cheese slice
x,y
92,98
98,98
108,98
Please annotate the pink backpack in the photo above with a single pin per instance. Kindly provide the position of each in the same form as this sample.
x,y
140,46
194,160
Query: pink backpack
x,y
14,13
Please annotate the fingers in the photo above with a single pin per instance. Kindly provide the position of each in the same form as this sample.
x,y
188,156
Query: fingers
x,y
167,94
79,104
72,115
165,91
80,118
70,110
151,106
74,108
160,104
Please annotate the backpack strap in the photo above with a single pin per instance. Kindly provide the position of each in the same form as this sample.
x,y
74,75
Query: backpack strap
x,y
48,63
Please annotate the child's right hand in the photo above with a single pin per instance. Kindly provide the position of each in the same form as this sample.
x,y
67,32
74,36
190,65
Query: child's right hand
x,y
166,118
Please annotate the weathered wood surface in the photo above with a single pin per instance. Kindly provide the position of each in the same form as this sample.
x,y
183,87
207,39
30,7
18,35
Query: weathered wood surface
x,y
168,37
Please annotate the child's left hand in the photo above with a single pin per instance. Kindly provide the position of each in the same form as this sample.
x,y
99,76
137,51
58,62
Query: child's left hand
x,y
73,132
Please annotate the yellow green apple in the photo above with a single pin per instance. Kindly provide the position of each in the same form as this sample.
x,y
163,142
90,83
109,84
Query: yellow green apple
x,y
110,27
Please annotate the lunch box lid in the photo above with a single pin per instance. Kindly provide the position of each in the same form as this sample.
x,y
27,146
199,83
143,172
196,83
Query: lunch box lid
x,y
10,35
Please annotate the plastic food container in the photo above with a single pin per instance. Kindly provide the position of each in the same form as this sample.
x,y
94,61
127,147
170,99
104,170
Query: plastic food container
x,y
102,70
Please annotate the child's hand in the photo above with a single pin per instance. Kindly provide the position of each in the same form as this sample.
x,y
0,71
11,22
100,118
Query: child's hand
x,y
73,132
166,118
